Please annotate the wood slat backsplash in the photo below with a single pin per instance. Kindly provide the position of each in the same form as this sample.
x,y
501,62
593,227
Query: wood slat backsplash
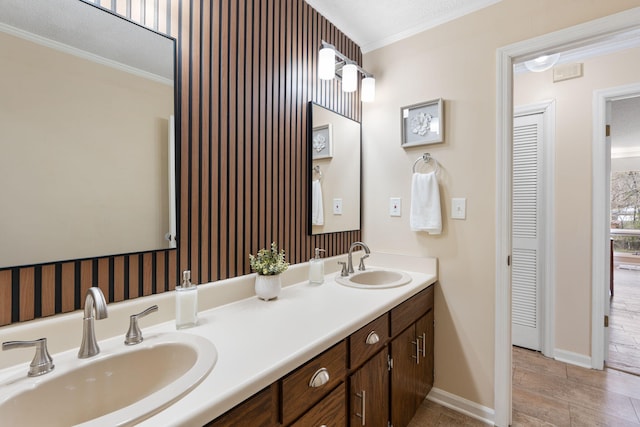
x,y
246,70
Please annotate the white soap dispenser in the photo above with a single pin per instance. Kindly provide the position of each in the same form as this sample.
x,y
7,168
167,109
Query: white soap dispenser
x,y
316,268
186,302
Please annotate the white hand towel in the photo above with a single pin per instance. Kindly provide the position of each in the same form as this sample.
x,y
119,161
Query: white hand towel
x,y
425,203
317,211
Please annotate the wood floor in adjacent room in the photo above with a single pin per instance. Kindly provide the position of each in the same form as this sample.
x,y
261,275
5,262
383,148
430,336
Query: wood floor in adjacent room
x,y
551,393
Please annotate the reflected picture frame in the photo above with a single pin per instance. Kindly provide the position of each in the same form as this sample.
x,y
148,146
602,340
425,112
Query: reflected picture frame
x,y
422,123
321,143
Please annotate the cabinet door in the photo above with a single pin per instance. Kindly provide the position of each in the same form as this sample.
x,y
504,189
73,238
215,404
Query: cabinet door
x,y
369,393
330,411
404,352
257,411
424,374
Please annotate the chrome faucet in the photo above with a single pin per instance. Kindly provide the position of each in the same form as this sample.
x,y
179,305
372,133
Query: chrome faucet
x,y
42,362
350,261
93,301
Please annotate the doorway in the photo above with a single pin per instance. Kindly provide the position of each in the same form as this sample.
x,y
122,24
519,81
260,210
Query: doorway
x,y
580,34
623,348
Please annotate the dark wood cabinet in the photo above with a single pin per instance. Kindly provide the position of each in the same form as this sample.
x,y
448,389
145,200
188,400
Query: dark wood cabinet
x,y
308,384
380,373
369,393
412,358
328,412
257,411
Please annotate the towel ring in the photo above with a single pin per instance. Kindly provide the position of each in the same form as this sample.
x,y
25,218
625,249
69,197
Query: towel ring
x,y
317,170
426,157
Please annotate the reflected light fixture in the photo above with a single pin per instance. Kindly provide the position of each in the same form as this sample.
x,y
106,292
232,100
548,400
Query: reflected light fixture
x,y
332,63
542,63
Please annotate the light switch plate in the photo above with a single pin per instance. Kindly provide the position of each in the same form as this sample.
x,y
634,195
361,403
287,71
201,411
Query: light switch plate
x,y
458,208
337,206
395,206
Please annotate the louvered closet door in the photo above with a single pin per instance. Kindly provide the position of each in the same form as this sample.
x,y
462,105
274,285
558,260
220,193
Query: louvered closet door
x,y
525,270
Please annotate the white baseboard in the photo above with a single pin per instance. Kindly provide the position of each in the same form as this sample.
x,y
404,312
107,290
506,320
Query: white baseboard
x,y
572,358
464,406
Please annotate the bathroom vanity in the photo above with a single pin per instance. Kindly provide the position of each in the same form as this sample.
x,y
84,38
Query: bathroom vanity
x,y
319,354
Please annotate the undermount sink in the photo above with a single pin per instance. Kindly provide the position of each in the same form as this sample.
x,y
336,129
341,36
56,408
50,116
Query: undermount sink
x,y
120,386
375,279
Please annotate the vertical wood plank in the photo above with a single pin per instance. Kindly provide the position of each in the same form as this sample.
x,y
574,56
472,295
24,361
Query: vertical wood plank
x,y
147,273
118,278
134,274
68,286
160,276
5,297
48,290
195,142
205,182
27,296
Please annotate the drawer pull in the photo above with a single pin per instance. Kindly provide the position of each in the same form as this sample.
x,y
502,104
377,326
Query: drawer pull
x,y
372,338
320,378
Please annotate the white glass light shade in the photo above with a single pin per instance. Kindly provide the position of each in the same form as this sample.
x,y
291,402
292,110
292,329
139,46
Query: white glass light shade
x,y
368,93
349,78
542,63
327,63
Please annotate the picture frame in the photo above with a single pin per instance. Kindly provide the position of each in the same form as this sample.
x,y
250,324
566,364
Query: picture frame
x,y
322,142
422,123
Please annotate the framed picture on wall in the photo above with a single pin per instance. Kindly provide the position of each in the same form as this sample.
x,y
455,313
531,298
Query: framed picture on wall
x,y
321,143
423,123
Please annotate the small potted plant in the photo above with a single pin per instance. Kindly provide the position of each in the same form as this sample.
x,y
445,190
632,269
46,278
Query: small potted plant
x,y
268,264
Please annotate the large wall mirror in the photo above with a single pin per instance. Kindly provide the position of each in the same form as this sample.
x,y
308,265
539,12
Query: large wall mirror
x,y
334,171
86,135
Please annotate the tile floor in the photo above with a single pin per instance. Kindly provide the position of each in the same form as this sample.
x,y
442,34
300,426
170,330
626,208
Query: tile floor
x,y
551,393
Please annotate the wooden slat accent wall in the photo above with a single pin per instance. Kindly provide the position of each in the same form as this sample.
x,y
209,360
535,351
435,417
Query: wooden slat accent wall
x,y
246,71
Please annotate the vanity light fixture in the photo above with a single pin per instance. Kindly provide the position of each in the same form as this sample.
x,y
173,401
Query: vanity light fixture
x,y
542,63
332,63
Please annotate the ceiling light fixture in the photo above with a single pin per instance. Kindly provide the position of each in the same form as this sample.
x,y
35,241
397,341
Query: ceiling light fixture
x,y
542,63
332,63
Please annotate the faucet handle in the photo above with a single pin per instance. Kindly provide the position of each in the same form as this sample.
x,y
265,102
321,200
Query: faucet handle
x,y
42,362
134,334
361,267
344,272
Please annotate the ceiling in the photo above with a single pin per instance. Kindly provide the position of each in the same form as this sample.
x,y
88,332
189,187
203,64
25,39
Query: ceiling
x,y
372,24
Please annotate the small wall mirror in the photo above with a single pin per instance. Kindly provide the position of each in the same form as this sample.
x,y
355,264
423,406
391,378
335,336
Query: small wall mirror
x,y
334,171
85,149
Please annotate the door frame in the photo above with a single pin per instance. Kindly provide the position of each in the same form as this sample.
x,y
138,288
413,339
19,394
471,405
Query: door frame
x,y
601,221
505,58
547,256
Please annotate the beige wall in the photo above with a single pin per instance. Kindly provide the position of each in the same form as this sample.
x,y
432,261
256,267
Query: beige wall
x,y
455,61
574,116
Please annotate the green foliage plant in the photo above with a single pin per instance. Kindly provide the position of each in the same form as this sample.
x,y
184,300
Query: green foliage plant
x,y
268,262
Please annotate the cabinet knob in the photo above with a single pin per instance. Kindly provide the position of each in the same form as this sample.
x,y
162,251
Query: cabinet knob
x,y
372,338
320,378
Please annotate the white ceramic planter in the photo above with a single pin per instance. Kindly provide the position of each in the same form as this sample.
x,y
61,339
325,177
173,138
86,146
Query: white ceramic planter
x,y
268,287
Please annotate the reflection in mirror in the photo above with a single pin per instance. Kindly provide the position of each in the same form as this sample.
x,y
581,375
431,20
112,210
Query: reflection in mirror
x,y
334,171
87,136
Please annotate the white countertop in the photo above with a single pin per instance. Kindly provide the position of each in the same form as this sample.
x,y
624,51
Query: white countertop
x,y
258,342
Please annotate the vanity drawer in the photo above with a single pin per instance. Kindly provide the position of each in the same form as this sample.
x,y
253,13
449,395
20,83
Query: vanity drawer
x,y
298,395
366,342
330,411
409,311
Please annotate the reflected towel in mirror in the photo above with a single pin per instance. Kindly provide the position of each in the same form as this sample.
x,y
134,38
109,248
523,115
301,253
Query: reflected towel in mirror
x,y
317,211
425,203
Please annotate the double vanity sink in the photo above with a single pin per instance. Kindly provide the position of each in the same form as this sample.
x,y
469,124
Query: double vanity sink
x,y
191,377
119,386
